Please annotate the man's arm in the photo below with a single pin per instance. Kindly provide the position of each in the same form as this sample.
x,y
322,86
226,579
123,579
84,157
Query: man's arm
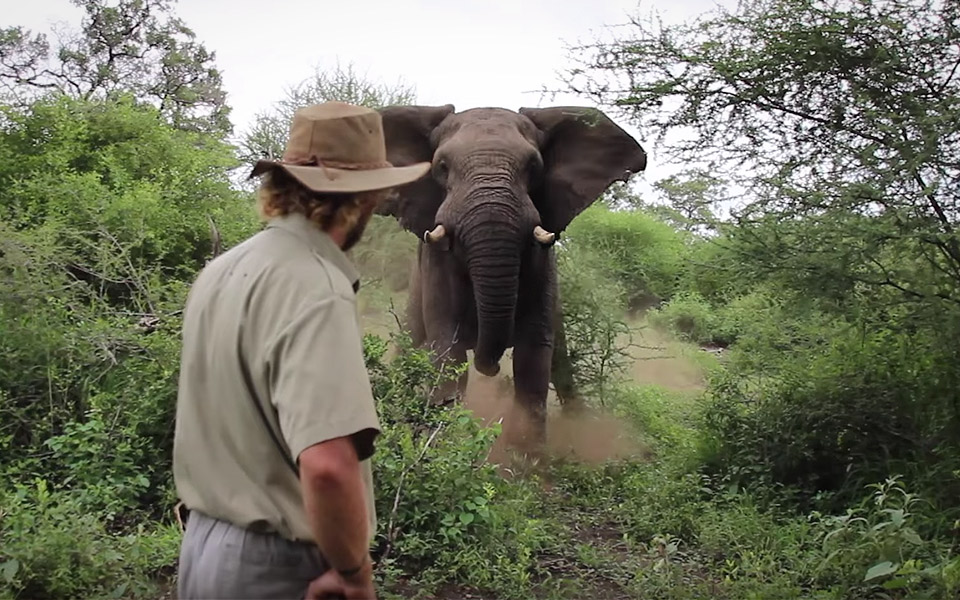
x,y
333,497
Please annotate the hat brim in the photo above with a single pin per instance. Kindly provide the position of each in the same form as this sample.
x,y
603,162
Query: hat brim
x,y
329,179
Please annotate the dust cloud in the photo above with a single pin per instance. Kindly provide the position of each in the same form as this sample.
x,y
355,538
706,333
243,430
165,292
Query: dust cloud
x,y
587,436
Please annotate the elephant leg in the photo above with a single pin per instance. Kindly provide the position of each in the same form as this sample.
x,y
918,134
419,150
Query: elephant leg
x,y
531,381
442,315
414,317
562,367
449,352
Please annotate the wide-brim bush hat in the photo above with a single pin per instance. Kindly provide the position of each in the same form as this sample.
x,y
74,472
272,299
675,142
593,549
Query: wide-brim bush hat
x,y
340,148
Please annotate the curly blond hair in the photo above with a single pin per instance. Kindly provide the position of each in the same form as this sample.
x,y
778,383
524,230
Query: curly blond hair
x,y
281,194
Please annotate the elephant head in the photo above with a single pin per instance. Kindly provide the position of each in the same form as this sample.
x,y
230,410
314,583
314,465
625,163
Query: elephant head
x,y
503,185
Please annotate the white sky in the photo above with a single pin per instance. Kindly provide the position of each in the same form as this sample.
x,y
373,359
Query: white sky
x,y
468,53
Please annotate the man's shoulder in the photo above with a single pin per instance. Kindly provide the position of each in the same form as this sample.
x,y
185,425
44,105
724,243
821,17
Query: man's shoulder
x,y
282,264
299,268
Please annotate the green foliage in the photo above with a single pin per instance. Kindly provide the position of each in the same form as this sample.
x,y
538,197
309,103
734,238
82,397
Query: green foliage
x,y
106,217
593,317
825,405
639,252
839,288
667,418
445,513
107,214
52,545
703,536
874,546
105,180
835,118
135,47
385,255
689,316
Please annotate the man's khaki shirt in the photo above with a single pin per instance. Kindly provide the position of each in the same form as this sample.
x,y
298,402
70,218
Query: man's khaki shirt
x,y
273,324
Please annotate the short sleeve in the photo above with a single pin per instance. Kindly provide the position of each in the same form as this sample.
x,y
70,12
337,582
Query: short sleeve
x,y
319,382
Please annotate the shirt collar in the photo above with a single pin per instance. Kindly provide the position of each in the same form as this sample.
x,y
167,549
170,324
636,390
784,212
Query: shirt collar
x,y
319,242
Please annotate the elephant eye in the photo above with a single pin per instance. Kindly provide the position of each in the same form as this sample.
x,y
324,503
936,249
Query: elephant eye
x,y
441,170
534,166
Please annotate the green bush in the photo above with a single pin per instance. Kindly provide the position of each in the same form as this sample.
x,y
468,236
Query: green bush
x,y
52,545
597,334
690,317
640,252
444,513
106,178
825,406
874,546
713,270
106,216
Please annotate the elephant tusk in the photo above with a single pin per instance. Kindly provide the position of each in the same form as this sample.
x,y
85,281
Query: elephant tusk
x,y
543,236
436,235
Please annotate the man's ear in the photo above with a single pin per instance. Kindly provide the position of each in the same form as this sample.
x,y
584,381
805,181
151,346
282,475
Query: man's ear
x,y
408,130
583,153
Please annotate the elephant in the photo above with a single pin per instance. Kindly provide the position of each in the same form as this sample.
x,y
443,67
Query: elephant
x,y
503,185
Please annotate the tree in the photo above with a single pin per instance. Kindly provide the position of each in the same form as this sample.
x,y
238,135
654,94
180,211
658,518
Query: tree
x,y
268,134
135,47
687,200
691,198
838,119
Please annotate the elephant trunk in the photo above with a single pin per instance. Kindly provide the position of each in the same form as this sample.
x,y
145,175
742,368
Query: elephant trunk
x,y
491,246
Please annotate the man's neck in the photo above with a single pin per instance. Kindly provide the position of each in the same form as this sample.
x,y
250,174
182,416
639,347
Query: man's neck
x,y
338,235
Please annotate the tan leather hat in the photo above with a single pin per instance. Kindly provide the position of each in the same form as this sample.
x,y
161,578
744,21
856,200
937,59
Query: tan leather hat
x,y
339,147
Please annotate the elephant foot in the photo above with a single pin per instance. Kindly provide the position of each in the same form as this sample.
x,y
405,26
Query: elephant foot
x,y
532,434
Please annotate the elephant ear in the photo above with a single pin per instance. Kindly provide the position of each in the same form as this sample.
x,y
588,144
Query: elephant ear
x,y
583,153
408,133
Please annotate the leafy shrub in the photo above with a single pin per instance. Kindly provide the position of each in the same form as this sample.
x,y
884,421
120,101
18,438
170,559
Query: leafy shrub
x,y
597,334
444,513
640,252
843,406
52,545
874,547
690,317
111,176
713,269
88,389
106,215
663,416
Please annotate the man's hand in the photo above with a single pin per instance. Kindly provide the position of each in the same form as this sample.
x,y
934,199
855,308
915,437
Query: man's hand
x,y
333,586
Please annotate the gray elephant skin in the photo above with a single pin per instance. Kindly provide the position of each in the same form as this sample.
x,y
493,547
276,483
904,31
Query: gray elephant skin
x,y
503,185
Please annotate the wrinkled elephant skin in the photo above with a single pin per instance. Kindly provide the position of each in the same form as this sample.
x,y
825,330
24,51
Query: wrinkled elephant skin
x,y
503,186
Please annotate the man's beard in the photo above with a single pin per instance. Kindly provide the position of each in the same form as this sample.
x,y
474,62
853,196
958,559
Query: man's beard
x,y
353,236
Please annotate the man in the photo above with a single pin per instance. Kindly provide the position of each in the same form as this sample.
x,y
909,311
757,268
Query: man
x,y
275,416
